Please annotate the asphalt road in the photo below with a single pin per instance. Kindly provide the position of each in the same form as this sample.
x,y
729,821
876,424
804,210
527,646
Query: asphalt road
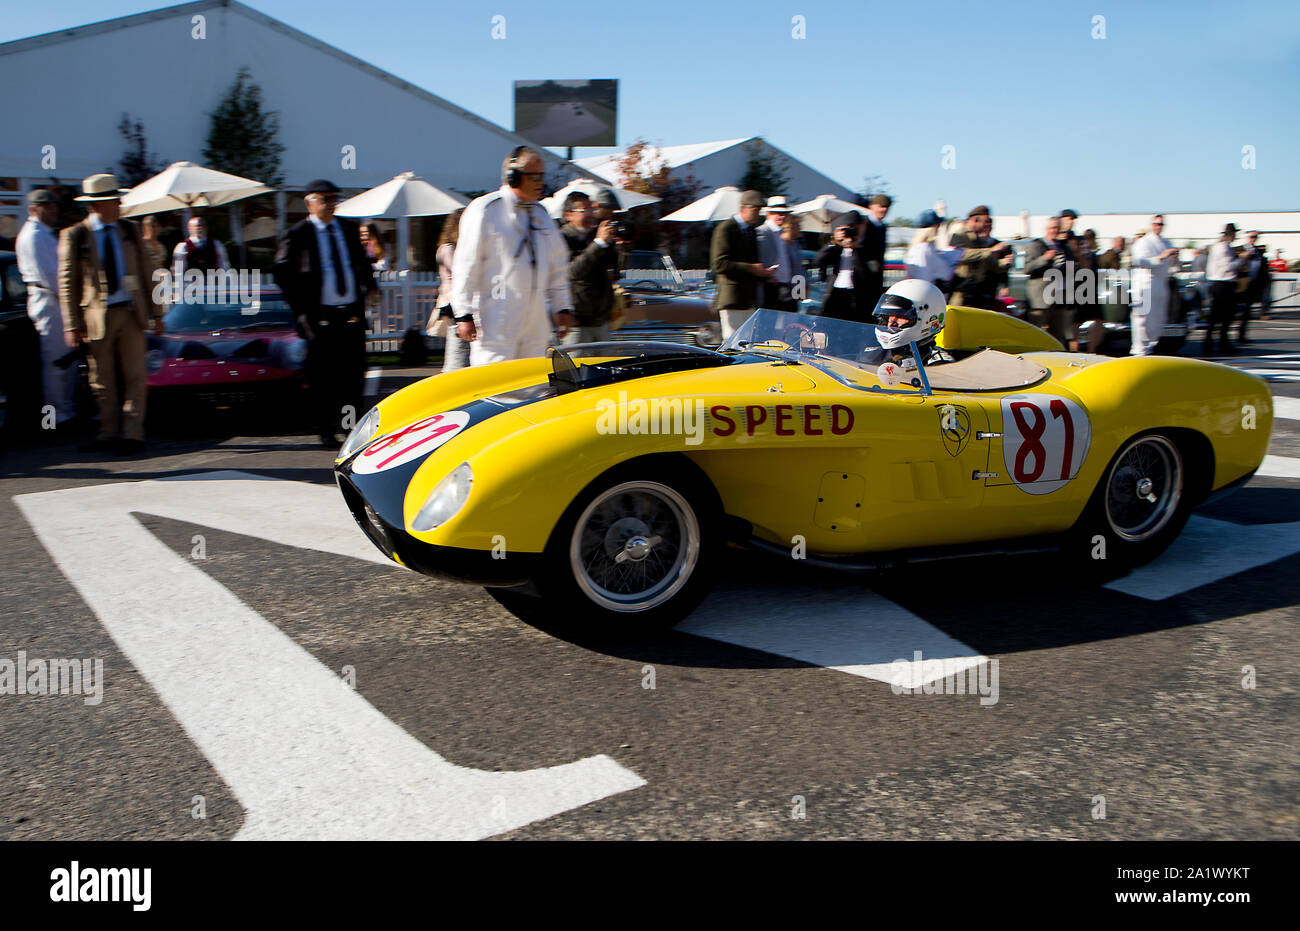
x,y
225,608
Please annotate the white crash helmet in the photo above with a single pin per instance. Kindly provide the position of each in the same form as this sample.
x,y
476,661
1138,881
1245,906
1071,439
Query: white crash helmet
x,y
917,301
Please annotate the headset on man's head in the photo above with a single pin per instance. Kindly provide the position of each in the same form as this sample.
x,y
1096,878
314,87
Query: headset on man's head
x,y
512,172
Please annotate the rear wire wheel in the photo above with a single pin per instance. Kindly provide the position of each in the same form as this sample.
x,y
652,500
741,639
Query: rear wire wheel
x,y
1140,505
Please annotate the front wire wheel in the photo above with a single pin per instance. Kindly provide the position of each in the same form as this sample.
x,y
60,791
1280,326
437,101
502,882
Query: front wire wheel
x,y
635,552
634,546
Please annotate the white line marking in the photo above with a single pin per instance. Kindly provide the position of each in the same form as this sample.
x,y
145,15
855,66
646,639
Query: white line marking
x,y
856,632
307,757
1206,551
1274,374
1279,467
1287,408
371,387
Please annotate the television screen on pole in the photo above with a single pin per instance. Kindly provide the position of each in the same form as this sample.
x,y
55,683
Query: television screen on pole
x,y
560,113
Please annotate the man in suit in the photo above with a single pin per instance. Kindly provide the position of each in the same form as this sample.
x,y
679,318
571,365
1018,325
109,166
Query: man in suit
x,y
593,266
1055,304
327,279
777,252
870,251
1112,258
106,292
979,280
733,256
1259,279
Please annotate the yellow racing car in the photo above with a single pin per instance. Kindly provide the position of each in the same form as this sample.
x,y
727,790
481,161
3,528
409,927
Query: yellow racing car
x,y
606,478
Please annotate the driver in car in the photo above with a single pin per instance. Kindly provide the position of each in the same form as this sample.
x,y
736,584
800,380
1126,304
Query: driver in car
x,y
910,313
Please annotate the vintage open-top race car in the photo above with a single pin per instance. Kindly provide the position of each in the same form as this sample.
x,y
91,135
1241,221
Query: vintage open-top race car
x,y
606,478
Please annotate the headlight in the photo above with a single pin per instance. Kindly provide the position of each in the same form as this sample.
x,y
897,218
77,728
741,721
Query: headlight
x,y
153,360
361,434
445,500
295,353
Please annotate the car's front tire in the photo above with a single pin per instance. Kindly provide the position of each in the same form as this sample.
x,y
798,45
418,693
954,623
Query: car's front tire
x,y
635,551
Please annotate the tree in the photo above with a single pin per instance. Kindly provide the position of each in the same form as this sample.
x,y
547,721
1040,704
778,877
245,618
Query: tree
x,y
138,163
242,136
766,171
642,169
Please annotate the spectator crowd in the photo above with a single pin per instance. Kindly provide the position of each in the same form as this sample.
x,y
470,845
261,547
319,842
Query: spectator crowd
x,y
513,281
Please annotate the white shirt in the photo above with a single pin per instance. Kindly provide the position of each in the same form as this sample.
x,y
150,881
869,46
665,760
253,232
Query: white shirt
x,y
119,256
38,254
1222,264
329,294
844,277
925,261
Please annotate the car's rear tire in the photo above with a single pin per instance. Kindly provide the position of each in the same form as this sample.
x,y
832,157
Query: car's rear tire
x,y
1140,505
635,551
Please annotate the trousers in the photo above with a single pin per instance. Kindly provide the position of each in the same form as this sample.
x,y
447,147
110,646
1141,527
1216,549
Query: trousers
x,y
119,353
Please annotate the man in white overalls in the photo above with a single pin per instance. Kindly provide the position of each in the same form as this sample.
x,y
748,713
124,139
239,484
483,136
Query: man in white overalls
x,y
1153,260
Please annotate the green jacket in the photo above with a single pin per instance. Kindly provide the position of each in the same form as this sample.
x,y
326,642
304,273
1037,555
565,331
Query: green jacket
x,y
729,255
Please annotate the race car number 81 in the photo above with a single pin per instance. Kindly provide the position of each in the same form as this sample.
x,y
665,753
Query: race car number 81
x,y
1045,440
412,441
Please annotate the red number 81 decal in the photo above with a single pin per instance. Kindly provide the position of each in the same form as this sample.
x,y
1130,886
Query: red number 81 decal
x,y
415,439
1045,440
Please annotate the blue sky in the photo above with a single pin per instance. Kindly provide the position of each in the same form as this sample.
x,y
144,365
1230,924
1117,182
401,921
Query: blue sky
x,y
1039,114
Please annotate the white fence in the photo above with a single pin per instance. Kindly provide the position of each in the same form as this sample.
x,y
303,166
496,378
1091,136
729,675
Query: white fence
x,y
406,299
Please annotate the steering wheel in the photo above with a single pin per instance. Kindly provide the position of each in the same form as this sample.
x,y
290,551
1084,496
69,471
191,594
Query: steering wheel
x,y
798,345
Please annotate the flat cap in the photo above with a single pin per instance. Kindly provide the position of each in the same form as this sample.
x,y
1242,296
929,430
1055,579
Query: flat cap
x,y
321,186
752,199
40,197
981,211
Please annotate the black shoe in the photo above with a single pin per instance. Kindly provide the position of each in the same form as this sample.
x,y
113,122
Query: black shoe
x,y
1228,349
1242,341
330,441
129,447
100,445
1207,350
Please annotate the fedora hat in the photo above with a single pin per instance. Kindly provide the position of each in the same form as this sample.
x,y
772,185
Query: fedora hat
x,y
777,204
101,187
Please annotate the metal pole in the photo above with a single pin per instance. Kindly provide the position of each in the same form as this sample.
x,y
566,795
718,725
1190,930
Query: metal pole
x,y
403,248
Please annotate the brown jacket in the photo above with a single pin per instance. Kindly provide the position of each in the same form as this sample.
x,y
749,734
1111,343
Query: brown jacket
x,y
83,287
731,254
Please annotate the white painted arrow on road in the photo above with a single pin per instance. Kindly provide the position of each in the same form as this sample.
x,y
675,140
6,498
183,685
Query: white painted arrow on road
x,y
307,757
854,631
